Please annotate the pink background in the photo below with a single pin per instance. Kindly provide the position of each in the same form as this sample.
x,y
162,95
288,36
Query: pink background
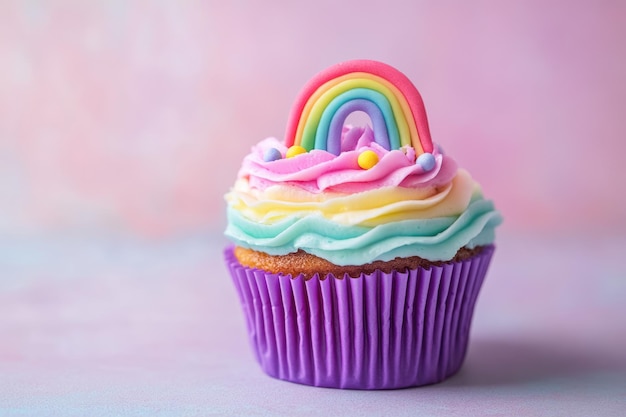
x,y
122,124
132,118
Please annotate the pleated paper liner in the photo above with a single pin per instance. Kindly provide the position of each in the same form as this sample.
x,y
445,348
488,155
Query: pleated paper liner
x,y
376,331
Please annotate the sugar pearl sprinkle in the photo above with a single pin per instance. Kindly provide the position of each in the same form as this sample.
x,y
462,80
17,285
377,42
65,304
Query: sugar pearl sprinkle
x,y
294,151
367,159
272,154
426,161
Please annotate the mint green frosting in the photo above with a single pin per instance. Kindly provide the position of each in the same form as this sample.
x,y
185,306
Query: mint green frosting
x,y
436,239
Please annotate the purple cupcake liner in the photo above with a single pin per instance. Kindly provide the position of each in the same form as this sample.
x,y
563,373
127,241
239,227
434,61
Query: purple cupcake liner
x,y
376,331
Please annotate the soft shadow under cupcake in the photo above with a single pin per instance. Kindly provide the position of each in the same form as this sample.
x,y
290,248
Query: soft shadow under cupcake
x,y
492,362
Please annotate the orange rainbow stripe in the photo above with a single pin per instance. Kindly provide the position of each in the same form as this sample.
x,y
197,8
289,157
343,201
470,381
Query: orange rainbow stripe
x,y
387,96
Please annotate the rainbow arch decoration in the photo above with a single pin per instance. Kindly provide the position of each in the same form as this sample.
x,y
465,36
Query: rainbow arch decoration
x,y
387,96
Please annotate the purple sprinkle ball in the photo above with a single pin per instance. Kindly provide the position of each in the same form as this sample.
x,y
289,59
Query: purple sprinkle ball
x,y
426,161
272,154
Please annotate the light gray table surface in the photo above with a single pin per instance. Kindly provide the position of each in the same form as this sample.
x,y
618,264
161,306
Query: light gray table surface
x,y
112,327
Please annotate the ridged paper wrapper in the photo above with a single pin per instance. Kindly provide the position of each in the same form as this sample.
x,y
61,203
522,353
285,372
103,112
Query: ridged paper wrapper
x,y
375,331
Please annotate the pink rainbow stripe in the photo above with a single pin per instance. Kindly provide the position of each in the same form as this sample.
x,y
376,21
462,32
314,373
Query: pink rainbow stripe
x,y
392,75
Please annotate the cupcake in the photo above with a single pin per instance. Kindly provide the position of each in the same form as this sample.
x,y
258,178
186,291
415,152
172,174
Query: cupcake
x,y
358,251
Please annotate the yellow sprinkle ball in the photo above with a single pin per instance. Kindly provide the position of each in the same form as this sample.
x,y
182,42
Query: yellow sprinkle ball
x,y
295,150
368,159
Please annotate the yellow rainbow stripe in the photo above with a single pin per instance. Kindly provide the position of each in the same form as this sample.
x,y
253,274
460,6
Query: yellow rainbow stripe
x,y
319,100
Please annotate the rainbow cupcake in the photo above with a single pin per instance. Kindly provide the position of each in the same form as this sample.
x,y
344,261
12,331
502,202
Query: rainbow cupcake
x,y
358,252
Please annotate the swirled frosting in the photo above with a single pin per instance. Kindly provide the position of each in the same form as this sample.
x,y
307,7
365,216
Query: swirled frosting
x,y
328,206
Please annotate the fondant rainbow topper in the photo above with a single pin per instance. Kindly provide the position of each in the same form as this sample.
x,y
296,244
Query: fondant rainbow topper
x,y
387,96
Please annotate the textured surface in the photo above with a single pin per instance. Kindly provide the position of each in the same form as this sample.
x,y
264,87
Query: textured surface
x,y
136,328
308,265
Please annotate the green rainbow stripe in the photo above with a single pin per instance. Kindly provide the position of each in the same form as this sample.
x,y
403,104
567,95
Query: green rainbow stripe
x,y
352,84
358,88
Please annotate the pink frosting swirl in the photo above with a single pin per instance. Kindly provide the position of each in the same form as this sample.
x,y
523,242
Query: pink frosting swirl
x,y
320,171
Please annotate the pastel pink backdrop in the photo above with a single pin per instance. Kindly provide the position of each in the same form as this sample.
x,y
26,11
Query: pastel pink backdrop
x,y
132,118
